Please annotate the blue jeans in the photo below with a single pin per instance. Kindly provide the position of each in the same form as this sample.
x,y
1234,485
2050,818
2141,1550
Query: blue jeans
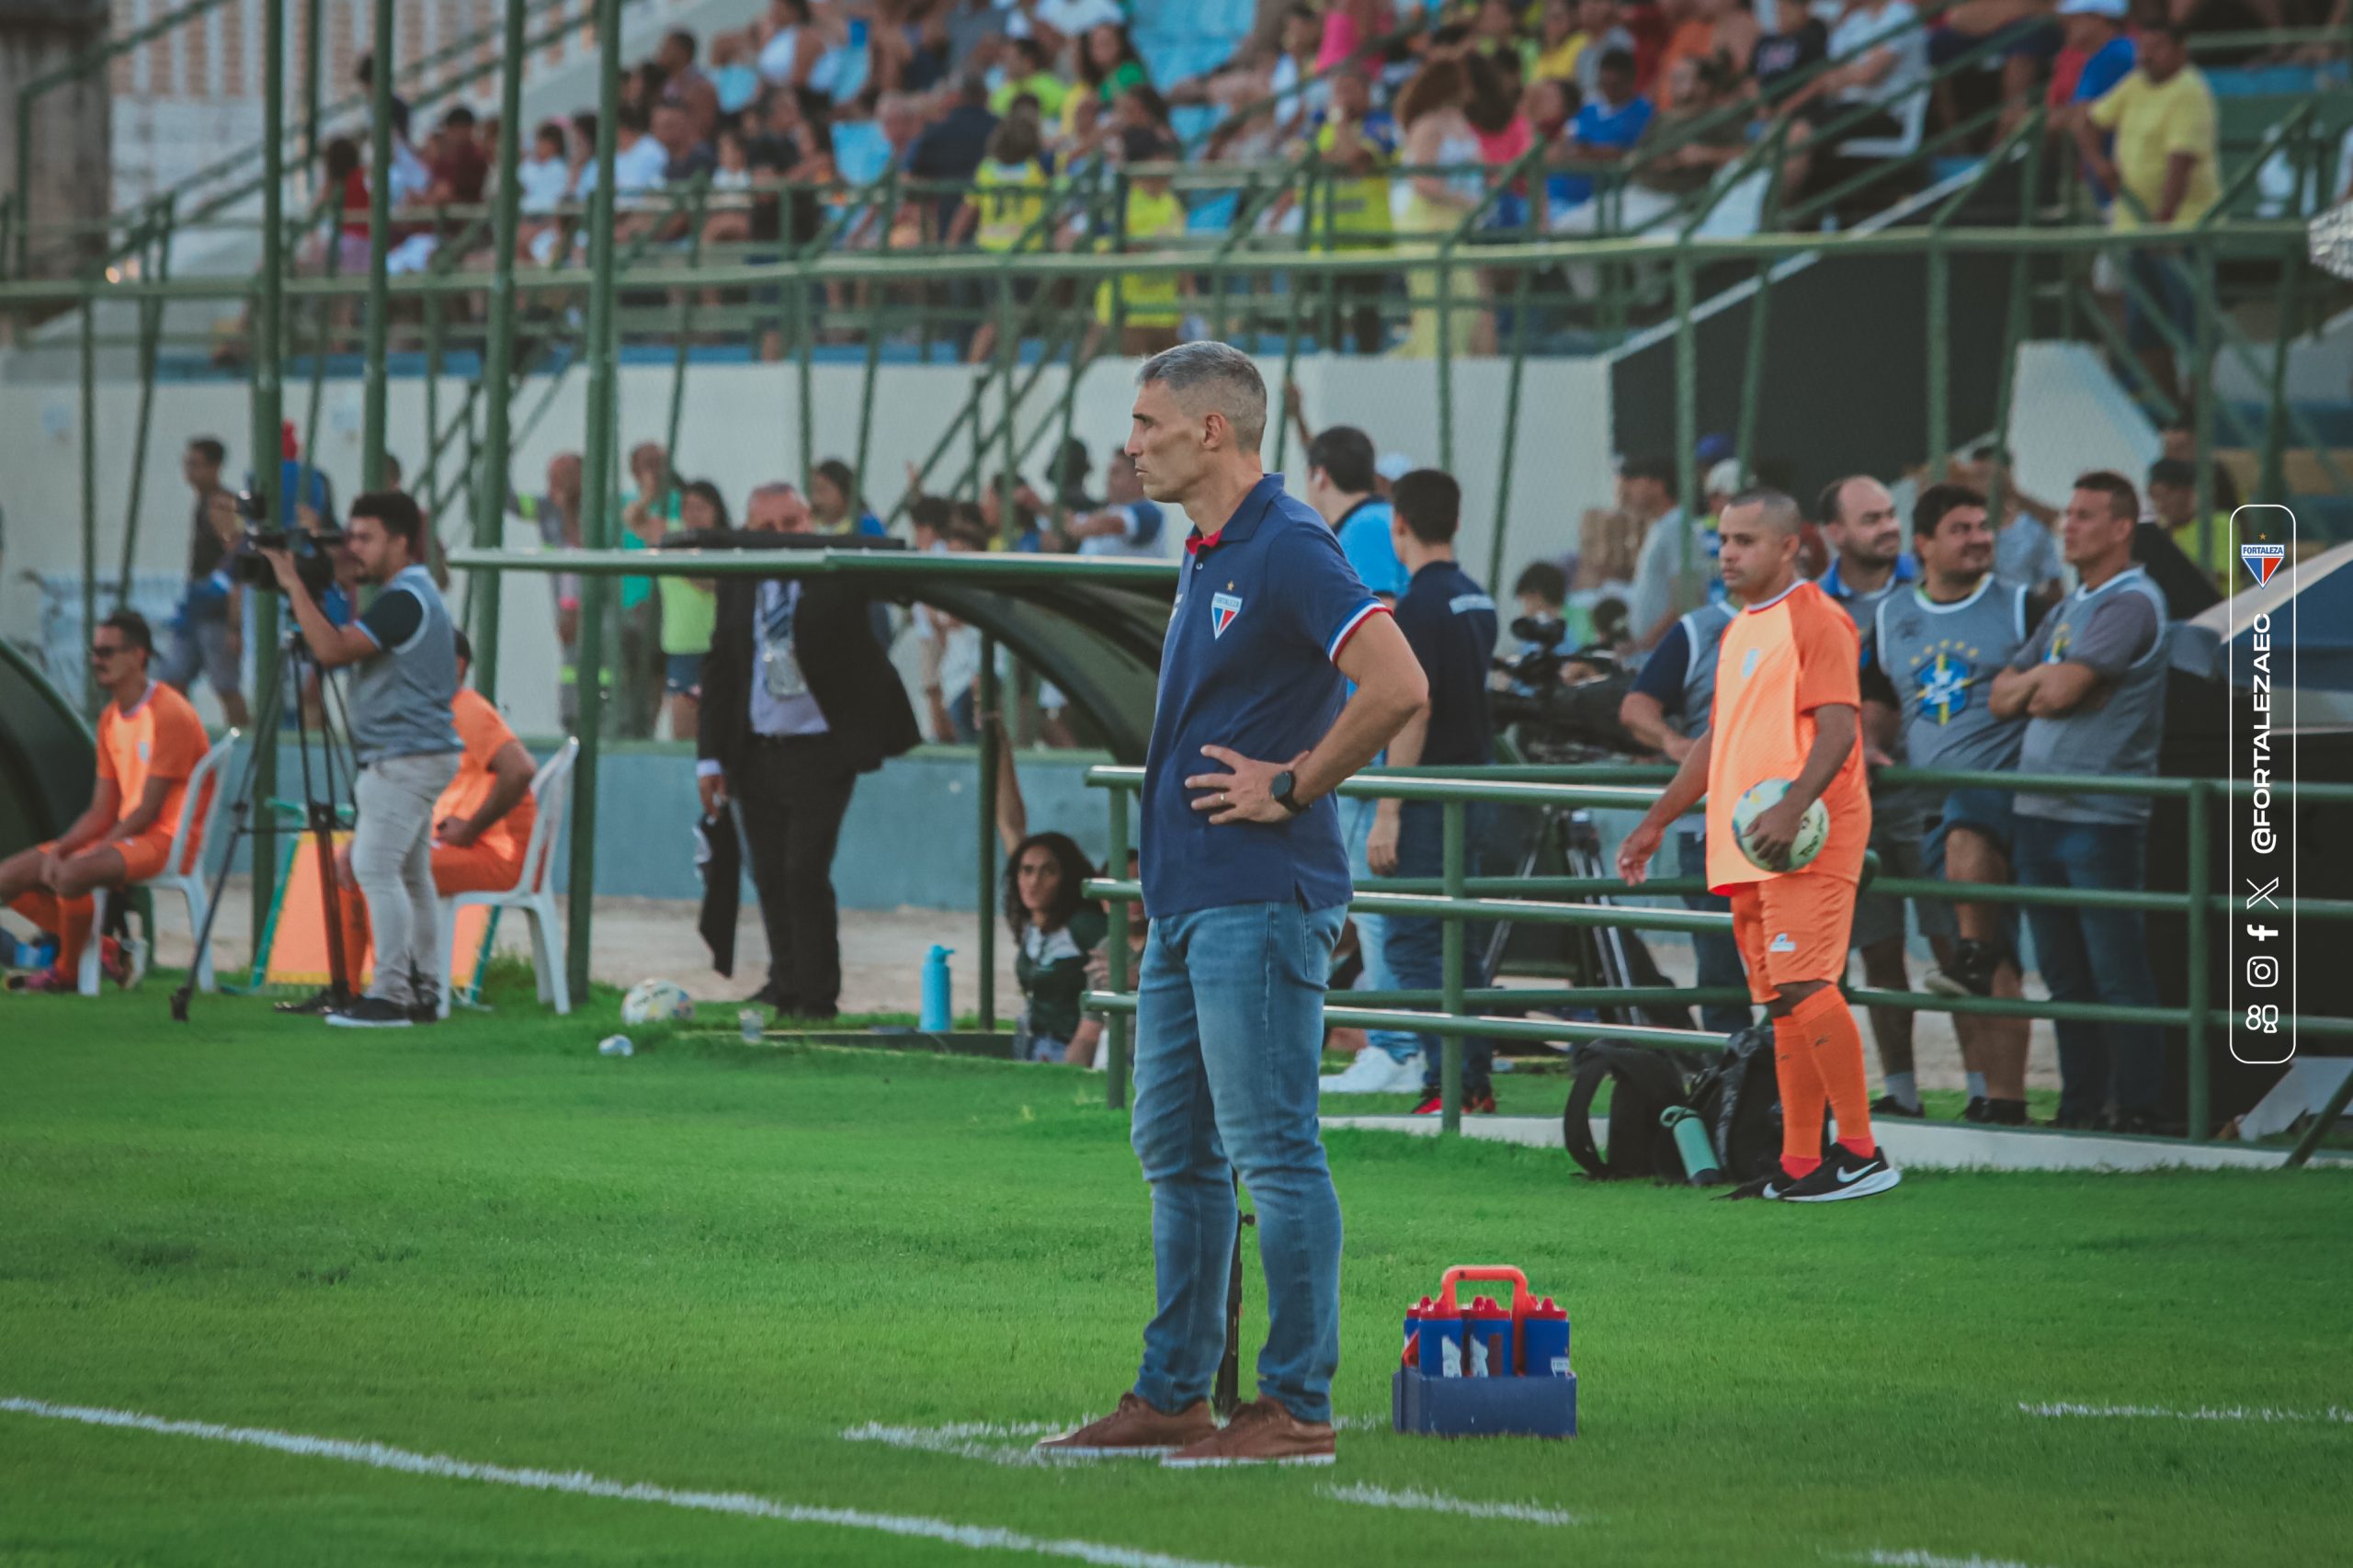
x,y
2094,955
1415,945
1717,954
1228,1039
1372,931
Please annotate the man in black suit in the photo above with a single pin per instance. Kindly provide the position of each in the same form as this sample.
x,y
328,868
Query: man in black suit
x,y
798,699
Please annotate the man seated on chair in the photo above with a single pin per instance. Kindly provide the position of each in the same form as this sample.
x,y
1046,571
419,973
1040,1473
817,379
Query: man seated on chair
x,y
480,822
149,741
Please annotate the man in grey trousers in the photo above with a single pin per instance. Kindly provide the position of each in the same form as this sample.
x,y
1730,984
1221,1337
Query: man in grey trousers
x,y
404,661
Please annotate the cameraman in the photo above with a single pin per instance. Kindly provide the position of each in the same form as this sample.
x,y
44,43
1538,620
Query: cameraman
x,y
404,678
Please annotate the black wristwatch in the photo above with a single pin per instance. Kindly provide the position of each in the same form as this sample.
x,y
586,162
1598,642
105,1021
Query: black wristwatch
x,y
1281,790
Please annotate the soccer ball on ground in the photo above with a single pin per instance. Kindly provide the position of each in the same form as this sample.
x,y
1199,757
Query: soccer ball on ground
x,y
657,1002
1813,828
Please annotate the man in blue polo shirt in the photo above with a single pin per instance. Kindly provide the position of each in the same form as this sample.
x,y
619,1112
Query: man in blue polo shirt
x,y
1247,886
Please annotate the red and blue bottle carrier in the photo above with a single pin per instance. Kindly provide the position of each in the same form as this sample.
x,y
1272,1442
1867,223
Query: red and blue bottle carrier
x,y
1486,1369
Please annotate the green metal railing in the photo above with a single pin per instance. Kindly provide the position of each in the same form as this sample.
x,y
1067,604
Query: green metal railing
x,y
1460,899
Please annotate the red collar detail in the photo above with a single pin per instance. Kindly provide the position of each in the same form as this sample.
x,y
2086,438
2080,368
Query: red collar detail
x,y
1195,544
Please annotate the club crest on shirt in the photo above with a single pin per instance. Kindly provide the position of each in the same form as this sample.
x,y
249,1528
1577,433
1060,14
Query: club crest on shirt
x,y
143,751
1223,608
1748,661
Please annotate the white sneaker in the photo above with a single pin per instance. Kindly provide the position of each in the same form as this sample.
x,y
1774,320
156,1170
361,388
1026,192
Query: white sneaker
x,y
1374,1072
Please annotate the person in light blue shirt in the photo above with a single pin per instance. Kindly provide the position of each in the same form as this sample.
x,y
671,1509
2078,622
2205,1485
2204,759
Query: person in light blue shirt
x,y
1342,488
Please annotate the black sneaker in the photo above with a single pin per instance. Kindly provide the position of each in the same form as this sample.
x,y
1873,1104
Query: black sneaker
x,y
372,1013
317,1005
1888,1105
1970,973
1773,1186
424,1012
2005,1113
1845,1174
1975,1109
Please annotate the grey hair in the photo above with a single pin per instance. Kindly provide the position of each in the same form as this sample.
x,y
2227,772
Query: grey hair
x,y
1208,376
1775,509
783,487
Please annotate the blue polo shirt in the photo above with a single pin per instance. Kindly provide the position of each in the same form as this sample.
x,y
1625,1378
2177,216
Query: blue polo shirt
x,y
1450,623
1263,606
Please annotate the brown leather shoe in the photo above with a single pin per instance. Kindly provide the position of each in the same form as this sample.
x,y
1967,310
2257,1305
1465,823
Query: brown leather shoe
x,y
1261,1432
1136,1427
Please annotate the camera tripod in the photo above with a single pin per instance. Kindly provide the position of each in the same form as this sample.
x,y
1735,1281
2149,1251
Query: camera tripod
x,y
319,796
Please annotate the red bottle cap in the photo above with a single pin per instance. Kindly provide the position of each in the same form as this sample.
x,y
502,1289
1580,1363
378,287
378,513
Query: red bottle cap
x,y
1486,1306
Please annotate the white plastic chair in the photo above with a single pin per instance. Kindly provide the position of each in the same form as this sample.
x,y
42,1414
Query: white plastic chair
x,y
1911,117
182,874
534,890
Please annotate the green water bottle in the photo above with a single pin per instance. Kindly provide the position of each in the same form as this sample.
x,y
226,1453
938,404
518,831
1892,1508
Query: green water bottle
x,y
1700,1166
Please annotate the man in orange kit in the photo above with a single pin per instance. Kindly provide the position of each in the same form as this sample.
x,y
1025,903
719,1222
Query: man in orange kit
x,y
150,740
1786,703
480,822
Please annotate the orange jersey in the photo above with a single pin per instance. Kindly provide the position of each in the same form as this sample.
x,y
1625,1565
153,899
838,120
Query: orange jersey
x,y
160,738
483,734
1777,663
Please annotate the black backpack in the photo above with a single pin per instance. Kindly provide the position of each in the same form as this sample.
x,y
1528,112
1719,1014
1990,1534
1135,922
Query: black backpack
x,y
1647,1084
1738,1098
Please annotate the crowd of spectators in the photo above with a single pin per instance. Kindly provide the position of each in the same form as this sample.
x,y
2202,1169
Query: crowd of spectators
x,y
998,118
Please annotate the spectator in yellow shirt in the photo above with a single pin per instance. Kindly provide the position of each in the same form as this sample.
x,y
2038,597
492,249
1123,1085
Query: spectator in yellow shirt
x,y
2163,173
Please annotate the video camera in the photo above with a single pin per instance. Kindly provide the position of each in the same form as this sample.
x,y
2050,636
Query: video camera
x,y
1564,703
313,552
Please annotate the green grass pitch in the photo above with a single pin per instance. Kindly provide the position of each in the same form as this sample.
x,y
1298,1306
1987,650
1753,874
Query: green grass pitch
x,y
698,1267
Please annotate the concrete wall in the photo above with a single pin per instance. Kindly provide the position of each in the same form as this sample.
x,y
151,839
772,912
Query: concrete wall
x,y
72,133
741,426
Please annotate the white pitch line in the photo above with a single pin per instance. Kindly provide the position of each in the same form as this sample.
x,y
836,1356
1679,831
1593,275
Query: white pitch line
x,y
991,1442
1932,1560
2334,1413
1439,1503
382,1456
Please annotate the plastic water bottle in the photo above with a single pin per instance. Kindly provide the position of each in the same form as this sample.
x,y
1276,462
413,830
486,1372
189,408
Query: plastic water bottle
x,y
1545,1340
1487,1327
1700,1166
938,1011
1441,1342
1413,1316
616,1045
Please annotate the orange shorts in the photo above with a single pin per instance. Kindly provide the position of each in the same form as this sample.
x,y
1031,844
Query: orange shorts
x,y
144,856
1791,928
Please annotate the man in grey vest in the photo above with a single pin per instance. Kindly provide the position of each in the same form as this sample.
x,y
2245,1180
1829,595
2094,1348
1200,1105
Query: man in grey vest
x,y
1928,667
1667,710
1867,567
403,659
2091,684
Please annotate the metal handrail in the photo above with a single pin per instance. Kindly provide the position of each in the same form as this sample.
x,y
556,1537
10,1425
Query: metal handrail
x,y
1457,902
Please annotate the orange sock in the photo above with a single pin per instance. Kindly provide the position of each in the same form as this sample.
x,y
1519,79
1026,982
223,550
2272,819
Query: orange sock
x,y
1803,1099
1828,1027
67,919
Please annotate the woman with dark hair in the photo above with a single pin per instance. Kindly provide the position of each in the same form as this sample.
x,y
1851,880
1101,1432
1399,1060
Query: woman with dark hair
x,y
689,611
835,501
1056,928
